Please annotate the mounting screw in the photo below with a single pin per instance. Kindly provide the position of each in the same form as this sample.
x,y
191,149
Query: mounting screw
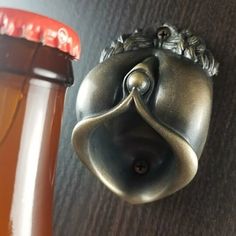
x,y
163,33
141,167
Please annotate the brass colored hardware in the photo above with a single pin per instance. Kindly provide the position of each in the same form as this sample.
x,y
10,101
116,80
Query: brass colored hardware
x,y
144,113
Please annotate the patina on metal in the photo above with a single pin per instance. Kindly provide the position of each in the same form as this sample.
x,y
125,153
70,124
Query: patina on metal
x,y
144,113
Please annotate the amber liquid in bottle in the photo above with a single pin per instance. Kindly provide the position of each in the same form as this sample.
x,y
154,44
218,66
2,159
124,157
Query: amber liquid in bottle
x,y
31,106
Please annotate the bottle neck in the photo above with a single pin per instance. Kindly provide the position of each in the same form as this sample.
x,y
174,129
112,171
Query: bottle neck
x,y
32,59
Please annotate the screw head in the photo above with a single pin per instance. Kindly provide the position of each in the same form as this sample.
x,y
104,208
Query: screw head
x,y
140,167
163,33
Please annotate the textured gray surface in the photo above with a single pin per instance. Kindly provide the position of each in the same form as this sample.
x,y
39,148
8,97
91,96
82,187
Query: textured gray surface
x,y
83,206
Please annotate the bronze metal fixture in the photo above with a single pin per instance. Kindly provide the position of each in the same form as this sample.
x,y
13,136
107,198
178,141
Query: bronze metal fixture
x,y
144,113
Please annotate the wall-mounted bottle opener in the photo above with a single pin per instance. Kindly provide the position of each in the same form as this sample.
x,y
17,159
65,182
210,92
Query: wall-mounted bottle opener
x,y
144,113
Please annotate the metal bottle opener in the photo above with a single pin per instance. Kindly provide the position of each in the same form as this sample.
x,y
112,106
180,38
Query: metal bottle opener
x,y
144,113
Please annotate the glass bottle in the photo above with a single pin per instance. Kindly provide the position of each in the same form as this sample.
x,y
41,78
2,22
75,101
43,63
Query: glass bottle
x,y
35,70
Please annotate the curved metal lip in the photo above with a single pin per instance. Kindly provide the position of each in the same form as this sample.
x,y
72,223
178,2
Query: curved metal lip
x,y
186,158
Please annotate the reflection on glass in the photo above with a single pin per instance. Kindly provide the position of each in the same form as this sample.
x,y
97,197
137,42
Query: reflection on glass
x,y
30,112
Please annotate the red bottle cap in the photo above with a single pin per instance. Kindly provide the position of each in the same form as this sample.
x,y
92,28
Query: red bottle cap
x,y
37,28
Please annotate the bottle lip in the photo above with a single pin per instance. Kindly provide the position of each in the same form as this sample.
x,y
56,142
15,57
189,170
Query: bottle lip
x,y
38,28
